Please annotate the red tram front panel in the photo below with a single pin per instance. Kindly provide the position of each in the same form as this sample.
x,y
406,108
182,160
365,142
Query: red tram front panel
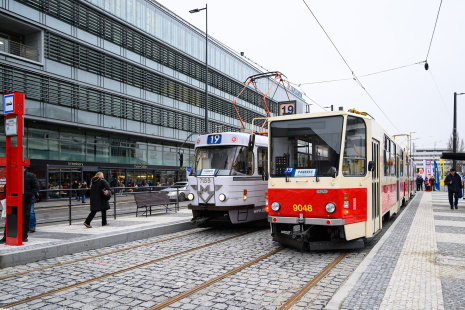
x,y
311,203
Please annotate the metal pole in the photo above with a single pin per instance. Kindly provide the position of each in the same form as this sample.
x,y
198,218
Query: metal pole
x,y
206,69
454,131
114,204
69,210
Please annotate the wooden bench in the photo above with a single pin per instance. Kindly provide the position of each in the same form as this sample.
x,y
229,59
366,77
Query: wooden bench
x,y
153,199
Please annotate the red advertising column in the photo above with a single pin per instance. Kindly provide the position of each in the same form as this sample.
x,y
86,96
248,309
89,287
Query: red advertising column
x,y
13,110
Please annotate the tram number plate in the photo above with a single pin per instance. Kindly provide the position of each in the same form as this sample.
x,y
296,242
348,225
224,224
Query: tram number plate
x,y
300,208
205,180
214,139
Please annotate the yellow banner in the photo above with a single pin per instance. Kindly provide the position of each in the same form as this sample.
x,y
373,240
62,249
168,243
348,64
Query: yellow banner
x,y
443,171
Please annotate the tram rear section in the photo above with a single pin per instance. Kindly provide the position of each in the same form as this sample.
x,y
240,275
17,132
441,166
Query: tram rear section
x,y
334,176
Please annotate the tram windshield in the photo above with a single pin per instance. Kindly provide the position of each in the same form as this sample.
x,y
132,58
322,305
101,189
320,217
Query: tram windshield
x,y
226,160
311,143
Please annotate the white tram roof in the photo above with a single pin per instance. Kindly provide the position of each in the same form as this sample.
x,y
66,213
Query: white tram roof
x,y
316,114
232,138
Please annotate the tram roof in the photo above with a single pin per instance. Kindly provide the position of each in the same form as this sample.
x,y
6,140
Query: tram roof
x,y
241,138
317,114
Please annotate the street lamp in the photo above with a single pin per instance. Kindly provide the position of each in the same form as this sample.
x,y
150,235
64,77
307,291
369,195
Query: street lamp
x,y
332,107
454,131
206,62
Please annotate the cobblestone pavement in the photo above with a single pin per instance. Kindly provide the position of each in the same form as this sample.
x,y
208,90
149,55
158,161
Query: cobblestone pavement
x,y
267,284
421,265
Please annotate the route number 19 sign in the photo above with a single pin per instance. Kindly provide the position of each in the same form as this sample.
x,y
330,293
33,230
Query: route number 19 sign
x,y
287,108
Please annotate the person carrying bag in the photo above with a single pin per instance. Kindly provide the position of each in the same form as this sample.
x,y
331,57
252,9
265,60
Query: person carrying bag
x,y
100,195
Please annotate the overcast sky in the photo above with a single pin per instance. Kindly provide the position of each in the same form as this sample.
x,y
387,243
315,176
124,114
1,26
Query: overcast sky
x,y
372,36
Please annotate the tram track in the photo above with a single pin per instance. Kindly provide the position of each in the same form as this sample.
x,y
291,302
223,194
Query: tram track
x,y
16,303
100,255
289,303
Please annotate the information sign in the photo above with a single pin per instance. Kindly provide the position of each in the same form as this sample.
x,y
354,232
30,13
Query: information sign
x,y
287,107
11,126
207,172
8,103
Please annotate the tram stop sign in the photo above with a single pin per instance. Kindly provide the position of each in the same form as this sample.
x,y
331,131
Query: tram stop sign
x,y
13,110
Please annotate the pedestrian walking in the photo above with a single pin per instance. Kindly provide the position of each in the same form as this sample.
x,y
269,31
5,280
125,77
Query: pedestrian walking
x,y
75,188
432,180
454,186
84,190
99,199
31,188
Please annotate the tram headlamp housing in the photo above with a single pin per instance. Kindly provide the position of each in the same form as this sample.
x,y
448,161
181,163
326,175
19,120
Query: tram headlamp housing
x,y
222,197
190,196
330,207
275,206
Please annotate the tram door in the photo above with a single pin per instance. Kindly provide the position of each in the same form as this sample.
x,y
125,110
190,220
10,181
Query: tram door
x,y
398,179
376,193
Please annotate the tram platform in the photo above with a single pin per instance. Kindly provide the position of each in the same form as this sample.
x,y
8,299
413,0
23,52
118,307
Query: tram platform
x,y
56,240
418,264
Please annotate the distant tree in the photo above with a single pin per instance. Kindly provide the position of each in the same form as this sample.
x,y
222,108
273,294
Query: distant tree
x,y
460,149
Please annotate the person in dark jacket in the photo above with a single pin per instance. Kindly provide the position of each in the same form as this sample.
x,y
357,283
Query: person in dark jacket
x,y
454,186
419,183
99,196
432,180
75,186
31,188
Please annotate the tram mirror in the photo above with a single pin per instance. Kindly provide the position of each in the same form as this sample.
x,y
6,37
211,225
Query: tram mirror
x,y
265,176
251,143
371,166
333,172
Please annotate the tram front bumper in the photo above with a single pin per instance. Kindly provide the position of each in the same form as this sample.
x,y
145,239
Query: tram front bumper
x,y
306,221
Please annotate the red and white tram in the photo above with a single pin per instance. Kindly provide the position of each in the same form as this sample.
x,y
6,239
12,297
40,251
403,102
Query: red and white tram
x,y
333,177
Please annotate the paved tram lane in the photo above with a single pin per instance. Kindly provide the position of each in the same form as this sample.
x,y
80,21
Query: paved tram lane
x,y
164,270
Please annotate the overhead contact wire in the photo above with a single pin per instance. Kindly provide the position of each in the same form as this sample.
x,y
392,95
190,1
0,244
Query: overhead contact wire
x,y
352,71
434,29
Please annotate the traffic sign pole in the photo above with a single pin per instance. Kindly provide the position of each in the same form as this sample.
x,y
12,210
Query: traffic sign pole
x,y
13,110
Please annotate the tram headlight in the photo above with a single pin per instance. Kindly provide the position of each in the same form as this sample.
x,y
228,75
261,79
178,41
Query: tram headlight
x,y
330,207
222,197
275,206
190,196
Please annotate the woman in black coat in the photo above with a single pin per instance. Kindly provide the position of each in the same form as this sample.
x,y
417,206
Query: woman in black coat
x,y
99,196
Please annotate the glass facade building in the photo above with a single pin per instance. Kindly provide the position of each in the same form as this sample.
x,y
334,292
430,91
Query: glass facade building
x,y
117,86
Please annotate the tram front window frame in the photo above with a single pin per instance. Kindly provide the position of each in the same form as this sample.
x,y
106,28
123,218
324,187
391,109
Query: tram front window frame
x,y
309,143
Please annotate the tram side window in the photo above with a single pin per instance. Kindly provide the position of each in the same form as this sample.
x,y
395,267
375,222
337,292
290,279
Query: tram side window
x,y
401,165
354,161
243,163
393,159
387,147
262,159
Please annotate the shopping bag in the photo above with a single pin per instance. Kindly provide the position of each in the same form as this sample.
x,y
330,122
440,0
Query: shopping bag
x,y
460,194
3,202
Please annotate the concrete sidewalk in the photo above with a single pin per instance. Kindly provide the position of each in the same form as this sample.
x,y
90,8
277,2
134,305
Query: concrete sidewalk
x,y
418,264
62,239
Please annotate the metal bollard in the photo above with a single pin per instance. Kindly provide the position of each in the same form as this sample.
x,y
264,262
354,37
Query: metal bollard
x,y
177,201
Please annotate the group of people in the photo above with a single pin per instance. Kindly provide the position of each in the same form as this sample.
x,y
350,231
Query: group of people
x,y
427,181
79,190
100,195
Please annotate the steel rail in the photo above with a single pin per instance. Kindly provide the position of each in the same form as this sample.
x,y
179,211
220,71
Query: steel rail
x,y
297,296
208,283
101,254
16,303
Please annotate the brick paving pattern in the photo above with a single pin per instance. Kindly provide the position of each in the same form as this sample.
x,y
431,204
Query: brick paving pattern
x,y
370,289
